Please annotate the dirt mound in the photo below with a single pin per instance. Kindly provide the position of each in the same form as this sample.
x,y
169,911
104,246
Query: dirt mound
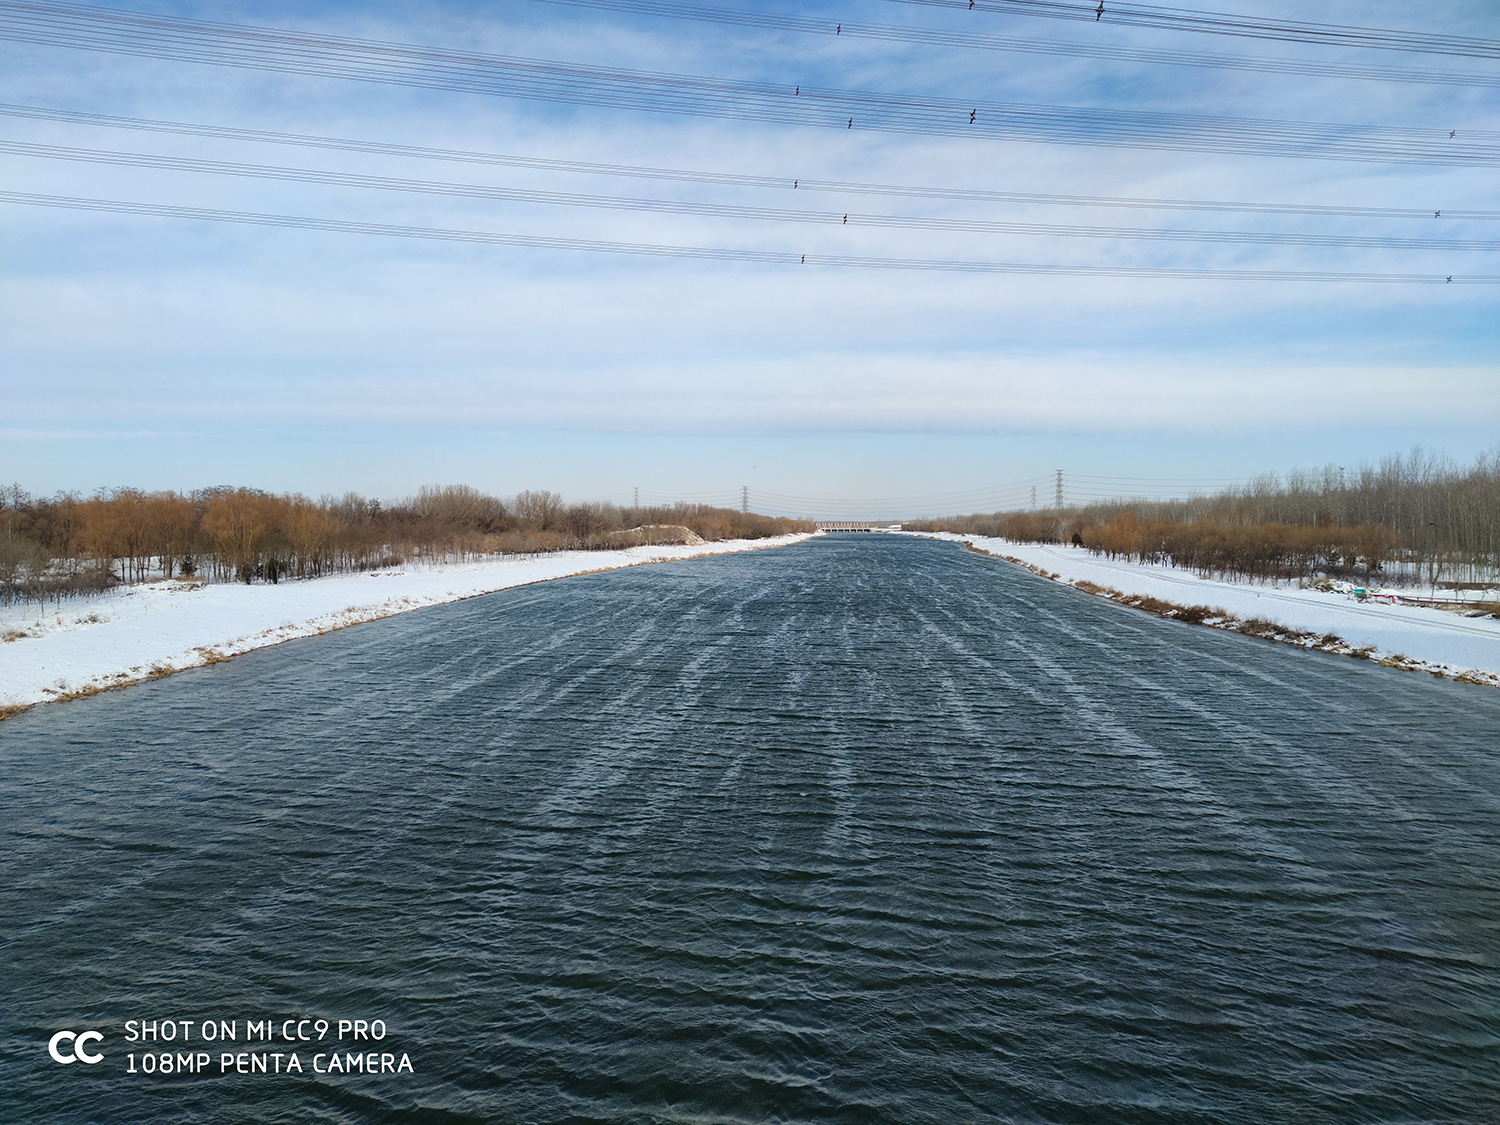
x,y
657,534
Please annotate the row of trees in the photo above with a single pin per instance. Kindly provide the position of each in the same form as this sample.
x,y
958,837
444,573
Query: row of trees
x,y
1263,550
1419,518
69,545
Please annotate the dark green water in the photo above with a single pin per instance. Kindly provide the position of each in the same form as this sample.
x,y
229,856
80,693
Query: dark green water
x,y
864,830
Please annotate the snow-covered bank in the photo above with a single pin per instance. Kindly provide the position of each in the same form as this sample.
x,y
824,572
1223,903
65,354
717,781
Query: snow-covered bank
x,y
141,632
1416,637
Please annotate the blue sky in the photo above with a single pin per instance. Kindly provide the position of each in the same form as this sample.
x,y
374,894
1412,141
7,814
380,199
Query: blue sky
x,y
169,353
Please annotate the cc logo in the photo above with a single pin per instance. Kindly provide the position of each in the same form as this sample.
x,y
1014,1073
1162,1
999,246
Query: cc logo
x,y
76,1041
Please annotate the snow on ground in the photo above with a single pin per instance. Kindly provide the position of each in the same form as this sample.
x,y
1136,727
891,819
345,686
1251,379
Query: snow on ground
x,y
1432,640
137,632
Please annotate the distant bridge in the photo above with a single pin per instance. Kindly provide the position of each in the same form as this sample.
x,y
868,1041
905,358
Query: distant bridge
x,y
858,525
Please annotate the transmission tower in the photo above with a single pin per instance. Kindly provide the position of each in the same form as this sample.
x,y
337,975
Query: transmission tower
x,y
1058,504
745,498
637,502
1033,498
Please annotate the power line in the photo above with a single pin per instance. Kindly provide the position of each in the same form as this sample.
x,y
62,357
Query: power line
x,y
961,496
779,182
724,499
858,508
1166,480
764,257
1006,496
1096,492
281,51
1243,27
971,41
731,211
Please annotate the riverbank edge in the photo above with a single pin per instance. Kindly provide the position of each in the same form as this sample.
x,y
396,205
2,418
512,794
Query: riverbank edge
x,y
1214,617
204,656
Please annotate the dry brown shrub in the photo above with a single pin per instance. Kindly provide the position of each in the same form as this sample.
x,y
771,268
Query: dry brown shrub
x,y
524,541
88,692
1030,527
1196,614
1259,627
1151,605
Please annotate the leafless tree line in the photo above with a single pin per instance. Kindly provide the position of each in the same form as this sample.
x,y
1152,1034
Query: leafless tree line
x,y
1419,518
67,545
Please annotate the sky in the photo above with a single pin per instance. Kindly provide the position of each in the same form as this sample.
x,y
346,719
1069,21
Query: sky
x,y
164,352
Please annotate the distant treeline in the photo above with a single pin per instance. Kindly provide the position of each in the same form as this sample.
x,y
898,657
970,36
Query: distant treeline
x,y
68,545
1417,518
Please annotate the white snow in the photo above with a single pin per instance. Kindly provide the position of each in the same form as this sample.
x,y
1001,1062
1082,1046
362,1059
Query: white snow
x,y
1433,640
155,628
135,632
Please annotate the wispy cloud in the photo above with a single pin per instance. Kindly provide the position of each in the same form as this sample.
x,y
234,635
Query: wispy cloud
x,y
116,322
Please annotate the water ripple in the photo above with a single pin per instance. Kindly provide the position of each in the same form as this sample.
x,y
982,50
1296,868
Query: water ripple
x,y
863,830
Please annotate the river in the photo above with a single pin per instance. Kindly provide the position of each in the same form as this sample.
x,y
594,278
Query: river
x,y
867,829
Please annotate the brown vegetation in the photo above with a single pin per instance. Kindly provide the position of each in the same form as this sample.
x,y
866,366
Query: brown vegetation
x,y
1419,519
65,546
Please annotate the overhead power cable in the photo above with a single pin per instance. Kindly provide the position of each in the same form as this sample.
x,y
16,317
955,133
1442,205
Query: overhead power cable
x,y
1215,481
1009,496
656,496
1242,27
1082,490
786,183
730,211
765,257
960,496
274,50
887,33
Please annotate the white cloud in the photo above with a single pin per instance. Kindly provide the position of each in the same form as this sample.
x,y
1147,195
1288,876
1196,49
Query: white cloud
x,y
159,324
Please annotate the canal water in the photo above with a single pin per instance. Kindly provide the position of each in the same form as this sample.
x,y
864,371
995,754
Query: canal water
x,y
868,829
